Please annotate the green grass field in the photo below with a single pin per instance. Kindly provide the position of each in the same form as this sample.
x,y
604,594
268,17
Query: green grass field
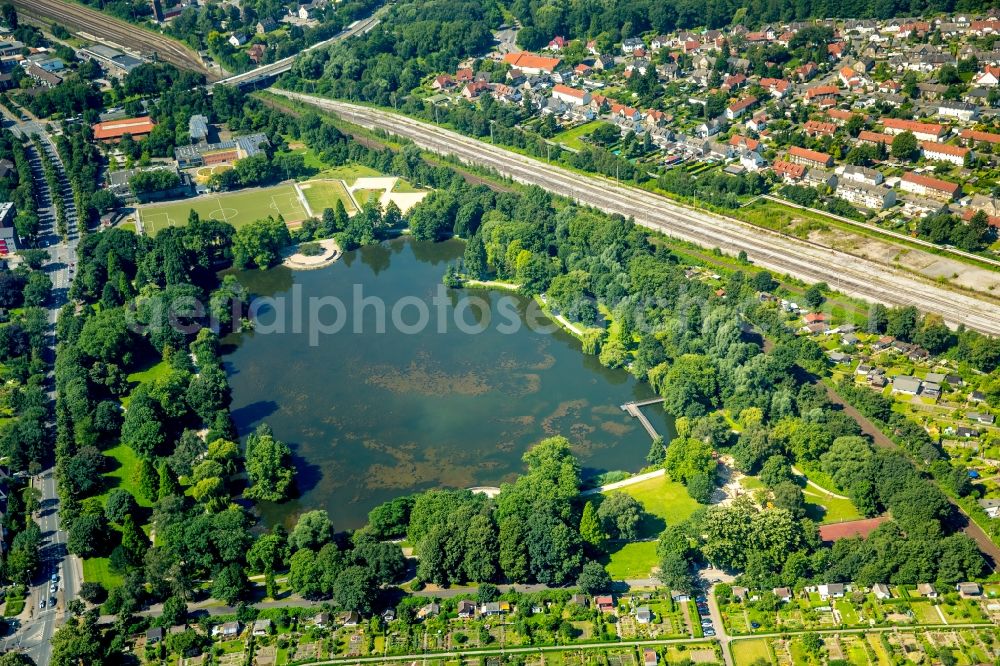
x,y
350,172
633,560
123,476
322,194
749,651
826,509
236,208
664,499
667,503
364,194
571,137
98,570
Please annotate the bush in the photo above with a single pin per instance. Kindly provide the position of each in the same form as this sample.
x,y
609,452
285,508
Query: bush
x,y
311,249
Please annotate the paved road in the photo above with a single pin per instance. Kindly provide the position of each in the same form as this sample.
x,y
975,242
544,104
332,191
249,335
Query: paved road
x,y
35,634
77,17
802,259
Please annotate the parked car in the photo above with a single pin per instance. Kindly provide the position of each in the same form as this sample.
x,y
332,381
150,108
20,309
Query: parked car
x,y
41,604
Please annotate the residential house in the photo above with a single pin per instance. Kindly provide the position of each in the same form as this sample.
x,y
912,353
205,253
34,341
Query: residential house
x,y
154,635
822,94
466,609
927,591
988,78
44,78
266,25
943,152
906,384
430,610
981,417
632,44
964,432
650,657
929,187
961,110
491,608
817,128
923,131
875,138
881,591
443,82
349,619
830,591
237,39
573,96
967,590
788,171
817,177
475,89
605,603
530,63
643,615
261,627
777,87
783,593
322,620
256,53
810,158
991,507
710,128
226,631
873,197
978,136
860,174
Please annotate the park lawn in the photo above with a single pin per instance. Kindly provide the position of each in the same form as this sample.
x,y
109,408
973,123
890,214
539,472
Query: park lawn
x,y
323,194
664,499
237,208
571,137
749,651
309,157
632,560
124,475
826,509
98,570
149,374
350,172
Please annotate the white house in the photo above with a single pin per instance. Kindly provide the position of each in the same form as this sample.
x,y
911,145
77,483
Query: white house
x,y
943,152
573,96
874,197
961,110
830,591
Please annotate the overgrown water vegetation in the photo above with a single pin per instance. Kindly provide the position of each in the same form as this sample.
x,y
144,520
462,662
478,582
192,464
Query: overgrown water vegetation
x,y
374,415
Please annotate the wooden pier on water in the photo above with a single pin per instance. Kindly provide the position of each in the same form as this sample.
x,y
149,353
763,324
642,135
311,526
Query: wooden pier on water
x,y
635,409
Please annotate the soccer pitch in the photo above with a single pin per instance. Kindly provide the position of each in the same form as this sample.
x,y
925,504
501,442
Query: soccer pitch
x,y
236,208
322,194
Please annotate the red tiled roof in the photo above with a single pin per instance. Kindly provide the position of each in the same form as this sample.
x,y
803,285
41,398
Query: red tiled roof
x,y
992,220
810,155
874,137
742,103
943,149
737,140
115,129
976,135
566,90
931,183
817,127
822,91
526,60
913,126
851,528
784,168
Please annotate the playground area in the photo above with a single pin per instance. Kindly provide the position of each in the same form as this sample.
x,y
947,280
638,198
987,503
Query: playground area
x,y
236,208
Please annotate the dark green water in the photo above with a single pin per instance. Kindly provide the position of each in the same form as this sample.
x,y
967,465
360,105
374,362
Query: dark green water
x,y
371,416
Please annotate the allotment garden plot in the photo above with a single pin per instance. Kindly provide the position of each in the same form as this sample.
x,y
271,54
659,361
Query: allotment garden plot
x,y
236,208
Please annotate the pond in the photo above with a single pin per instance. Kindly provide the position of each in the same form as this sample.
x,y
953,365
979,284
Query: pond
x,y
448,392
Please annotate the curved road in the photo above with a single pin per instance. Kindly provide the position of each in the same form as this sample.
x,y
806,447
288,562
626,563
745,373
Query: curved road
x,y
77,17
807,261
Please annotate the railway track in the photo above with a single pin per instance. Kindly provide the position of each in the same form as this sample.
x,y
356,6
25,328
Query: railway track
x,y
802,259
79,18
